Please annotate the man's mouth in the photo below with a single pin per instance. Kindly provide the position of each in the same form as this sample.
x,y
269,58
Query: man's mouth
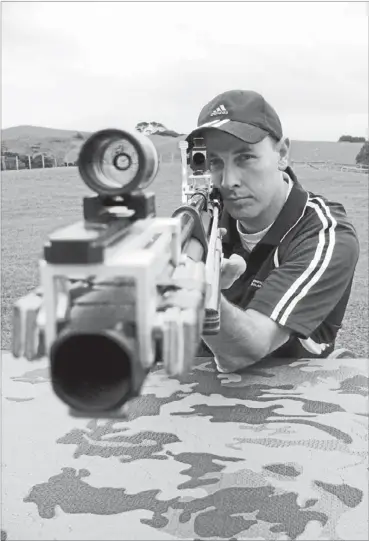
x,y
238,198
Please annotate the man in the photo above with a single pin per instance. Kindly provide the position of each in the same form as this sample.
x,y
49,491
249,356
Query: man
x,y
290,255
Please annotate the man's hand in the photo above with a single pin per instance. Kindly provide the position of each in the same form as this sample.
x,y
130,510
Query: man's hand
x,y
231,269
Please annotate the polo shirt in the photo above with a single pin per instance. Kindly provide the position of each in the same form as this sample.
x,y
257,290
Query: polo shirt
x,y
300,273
250,240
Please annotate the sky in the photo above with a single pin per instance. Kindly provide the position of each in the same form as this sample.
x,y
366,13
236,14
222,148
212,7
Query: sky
x,y
92,65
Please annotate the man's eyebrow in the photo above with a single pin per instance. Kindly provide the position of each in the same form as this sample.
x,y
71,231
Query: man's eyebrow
x,y
244,148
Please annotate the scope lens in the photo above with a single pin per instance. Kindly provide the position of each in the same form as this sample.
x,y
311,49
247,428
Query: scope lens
x,y
118,164
122,161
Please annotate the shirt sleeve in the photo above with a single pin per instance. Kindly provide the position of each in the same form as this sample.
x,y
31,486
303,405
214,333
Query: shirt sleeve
x,y
316,270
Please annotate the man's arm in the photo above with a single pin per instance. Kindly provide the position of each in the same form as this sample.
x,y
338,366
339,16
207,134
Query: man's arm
x,y
297,296
244,338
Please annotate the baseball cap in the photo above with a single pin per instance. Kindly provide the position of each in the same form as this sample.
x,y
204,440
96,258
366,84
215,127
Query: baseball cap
x,y
242,113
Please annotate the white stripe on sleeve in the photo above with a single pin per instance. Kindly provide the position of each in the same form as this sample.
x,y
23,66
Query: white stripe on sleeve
x,y
290,294
328,256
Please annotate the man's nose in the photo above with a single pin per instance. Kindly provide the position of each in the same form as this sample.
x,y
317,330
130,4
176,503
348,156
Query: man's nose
x,y
230,178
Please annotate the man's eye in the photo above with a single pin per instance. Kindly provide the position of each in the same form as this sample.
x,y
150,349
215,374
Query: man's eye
x,y
215,164
245,157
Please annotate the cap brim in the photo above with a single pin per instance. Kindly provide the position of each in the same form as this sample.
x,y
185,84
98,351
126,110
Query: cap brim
x,y
245,132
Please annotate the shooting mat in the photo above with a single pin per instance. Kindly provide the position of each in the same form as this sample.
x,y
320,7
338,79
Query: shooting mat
x,y
277,453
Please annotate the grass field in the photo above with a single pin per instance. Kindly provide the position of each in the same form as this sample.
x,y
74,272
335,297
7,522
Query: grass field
x,y
34,203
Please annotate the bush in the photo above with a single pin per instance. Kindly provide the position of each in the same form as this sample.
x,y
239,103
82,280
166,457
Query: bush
x,y
23,161
363,157
9,154
156,127
351,139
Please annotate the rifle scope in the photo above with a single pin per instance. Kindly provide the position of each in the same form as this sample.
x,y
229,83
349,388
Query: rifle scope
x,y
115,162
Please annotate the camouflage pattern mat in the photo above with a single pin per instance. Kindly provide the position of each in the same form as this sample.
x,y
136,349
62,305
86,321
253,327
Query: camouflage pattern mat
x,y
279,453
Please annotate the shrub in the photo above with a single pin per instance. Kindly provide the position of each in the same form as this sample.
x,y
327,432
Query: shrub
x,y
351,139
363,155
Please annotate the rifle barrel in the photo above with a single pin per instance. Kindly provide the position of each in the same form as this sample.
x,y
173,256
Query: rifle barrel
x,y
191,245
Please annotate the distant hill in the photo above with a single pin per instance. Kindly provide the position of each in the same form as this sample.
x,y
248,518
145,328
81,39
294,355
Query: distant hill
x,y
66,143
33,140
17,132
63,144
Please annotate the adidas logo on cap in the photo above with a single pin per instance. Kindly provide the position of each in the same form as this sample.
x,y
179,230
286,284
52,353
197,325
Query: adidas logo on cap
x,y
221,110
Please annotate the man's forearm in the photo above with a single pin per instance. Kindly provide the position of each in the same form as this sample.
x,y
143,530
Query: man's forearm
x,y
234,345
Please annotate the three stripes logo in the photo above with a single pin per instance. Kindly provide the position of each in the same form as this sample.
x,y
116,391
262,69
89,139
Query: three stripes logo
x,y
221,110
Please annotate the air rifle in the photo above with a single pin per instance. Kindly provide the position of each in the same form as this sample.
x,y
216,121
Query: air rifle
x,y
123,290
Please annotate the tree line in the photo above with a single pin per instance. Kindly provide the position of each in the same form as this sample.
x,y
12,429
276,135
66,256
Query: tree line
x,y
351,139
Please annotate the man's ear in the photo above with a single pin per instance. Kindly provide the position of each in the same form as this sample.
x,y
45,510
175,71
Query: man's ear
x,y
284,153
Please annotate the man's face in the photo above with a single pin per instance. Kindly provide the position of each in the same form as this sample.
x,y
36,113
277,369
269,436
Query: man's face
x,y
246,175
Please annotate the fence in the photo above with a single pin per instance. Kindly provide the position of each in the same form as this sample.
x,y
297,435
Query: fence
x,y
172,157
343,167
15,163
41,161
31,162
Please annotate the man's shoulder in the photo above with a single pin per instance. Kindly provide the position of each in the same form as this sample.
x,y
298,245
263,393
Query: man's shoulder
x,y
318,211
324,223
324,213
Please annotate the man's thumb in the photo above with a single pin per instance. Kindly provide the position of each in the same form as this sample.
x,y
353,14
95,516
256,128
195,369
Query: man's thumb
x,y
232,269
237,265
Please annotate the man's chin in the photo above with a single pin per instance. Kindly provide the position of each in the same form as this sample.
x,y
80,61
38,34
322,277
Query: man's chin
x,y
239,212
